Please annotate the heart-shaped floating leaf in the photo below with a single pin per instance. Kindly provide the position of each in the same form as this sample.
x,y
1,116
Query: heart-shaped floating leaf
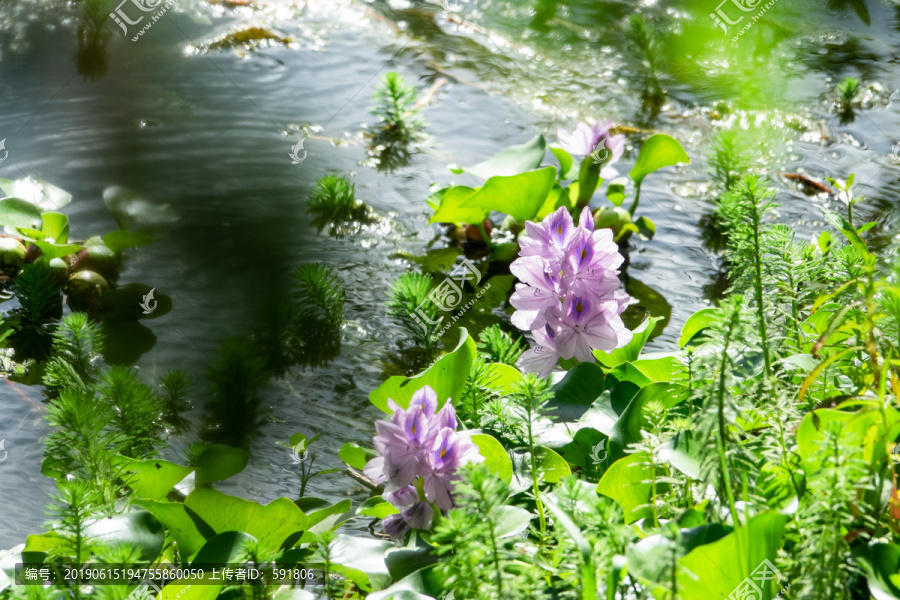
x,y
521,196
658,151
17,212
37,192
512,160
447,377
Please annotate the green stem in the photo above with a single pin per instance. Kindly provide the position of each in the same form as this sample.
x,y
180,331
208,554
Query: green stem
x,y
637,198
726,477
760,309
534,478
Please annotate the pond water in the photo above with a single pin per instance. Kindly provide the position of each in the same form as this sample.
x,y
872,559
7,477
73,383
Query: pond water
x,y
209,132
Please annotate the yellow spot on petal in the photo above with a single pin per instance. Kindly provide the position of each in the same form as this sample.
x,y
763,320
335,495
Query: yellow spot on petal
x,y
578,307
559,229
443,452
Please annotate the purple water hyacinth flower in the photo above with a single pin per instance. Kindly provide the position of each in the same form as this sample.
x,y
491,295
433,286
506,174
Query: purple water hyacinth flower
x,y
544,356
568,294
585,327
403,497
418,516
586,138
418,441
450,450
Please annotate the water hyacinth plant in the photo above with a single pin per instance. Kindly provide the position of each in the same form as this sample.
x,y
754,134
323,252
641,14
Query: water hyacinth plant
x,y
568,296
420,453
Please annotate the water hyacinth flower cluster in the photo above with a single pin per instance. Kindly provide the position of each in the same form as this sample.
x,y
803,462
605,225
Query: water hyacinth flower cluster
x,y
586,139
418,441
568,296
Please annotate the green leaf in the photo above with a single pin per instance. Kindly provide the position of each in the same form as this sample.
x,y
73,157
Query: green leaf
x,y
512,521
55,227
378,509
218,463
365,555
502,378
580,386
658,151
19,213
272,524
152,478
521,196
139,528
615,191
496,458
447,377
122,240
696,323
37,192
226,548
714,570
627,429
186,526
129,208
328,517
551,465
352,454
646,228
566,172
452,207
631,351
512,160
881,563
51,251
842,225
627,482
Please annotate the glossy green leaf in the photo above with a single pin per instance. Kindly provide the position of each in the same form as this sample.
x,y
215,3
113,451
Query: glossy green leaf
x,y
566,164
881,563
714,570
447,377
352,454
452,207
139,528
19,213
615,191
696,323
580,386
521,196
226,548
130,209
627,481
218,463
645,228
122,240
658,151
364,555
512,160
627,429
186,526
37,192
631,351
551,465
502,378
512,521
152,478
378,509
272,524
496,458
55,227
51,251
